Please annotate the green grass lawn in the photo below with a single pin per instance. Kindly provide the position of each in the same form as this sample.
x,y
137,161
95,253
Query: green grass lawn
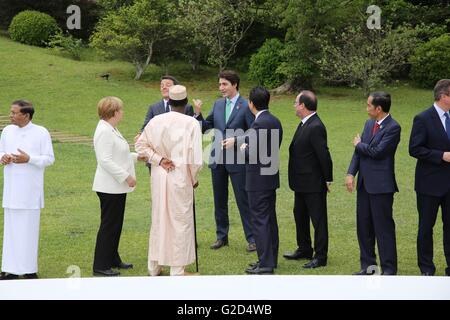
x,y
65,93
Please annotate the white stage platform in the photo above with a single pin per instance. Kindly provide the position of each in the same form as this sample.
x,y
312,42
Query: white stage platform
x,y
230,288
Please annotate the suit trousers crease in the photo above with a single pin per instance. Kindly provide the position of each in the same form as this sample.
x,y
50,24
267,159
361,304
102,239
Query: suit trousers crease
x,y
112,214
428,207
220,189
265,226
375,222
312,207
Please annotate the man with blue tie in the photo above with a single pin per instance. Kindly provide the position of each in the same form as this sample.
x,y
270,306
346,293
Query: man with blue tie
x,y
229,117
430,145
374,162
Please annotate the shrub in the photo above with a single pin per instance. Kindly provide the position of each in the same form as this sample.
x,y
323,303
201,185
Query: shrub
x,y
67,44
431,61
33,28
264,64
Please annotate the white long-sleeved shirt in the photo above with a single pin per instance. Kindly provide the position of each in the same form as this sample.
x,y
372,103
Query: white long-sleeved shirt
x,y
24,183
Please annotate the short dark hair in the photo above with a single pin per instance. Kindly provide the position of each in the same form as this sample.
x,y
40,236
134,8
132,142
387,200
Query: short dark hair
x,y
26,107
309,99
231,76
260,98
178,103
381,99
167,77
442,87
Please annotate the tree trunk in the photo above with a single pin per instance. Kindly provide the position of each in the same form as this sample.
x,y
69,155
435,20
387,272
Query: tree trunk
x,y
283,89
141,67
293,86
139,71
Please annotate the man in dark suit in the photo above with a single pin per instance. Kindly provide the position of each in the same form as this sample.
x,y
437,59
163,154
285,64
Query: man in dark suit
x,y
262,155
374,162
310,177
163,106
430,145
229,117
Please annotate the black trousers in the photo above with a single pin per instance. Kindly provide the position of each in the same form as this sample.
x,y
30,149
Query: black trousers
x,y
312,207
374,221
265,226
112,213
220,189
428,207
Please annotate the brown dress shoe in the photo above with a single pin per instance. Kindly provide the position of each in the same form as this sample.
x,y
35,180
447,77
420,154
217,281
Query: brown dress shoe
x,y
219,244
251,247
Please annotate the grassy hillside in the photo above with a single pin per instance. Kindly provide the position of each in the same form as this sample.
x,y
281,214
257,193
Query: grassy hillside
x,y
66,92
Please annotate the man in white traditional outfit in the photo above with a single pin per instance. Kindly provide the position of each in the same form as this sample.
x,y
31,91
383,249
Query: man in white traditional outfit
x,y
25,150
176,137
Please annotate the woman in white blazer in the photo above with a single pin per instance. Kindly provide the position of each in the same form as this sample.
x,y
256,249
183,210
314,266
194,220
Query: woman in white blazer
x,y
114,178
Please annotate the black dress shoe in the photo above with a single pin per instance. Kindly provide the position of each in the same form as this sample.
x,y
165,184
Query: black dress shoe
x,y
30,276
251,247
219,244
315,263
297,255
363,272
124,266
106,273
8,276
259,270
427,274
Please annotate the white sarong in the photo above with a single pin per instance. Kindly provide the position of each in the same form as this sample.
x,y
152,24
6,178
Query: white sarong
x,y
21,241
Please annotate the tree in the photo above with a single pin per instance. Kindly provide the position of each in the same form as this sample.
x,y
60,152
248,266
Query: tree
x,y
218,25
132,32
305,21
362,57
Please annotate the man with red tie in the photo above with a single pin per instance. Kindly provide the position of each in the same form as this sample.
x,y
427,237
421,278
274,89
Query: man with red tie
x,y
373,161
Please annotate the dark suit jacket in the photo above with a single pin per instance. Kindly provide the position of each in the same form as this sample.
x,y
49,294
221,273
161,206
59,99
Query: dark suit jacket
x,y
240,118
310,164
374,157
258,153
159,108
427,144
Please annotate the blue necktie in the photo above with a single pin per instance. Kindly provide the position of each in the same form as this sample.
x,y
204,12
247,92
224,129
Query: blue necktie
x,y
447,124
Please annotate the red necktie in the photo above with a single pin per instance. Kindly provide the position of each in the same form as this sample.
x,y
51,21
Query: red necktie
x,y
375,128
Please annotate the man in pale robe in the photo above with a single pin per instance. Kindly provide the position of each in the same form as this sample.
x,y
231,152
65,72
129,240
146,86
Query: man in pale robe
x,y
25,151
174,137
